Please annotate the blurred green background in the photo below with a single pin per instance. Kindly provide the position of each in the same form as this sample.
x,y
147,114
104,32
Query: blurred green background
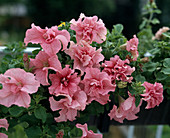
x,y
17,15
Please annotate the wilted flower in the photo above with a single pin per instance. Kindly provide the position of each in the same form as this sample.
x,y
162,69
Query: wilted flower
x,y
86,133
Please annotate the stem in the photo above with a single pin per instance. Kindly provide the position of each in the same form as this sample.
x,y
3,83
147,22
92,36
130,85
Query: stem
x,y
150,18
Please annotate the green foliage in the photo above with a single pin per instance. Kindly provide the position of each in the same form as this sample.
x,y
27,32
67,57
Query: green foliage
x,y
40,113
18,132
16,111
13,57
145,34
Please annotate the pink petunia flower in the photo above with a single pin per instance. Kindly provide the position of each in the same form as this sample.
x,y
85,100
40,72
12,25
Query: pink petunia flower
x,y
97,85
86,133
89,29
158,34
49,38
2,135
132,47
4,124
118,69
84,56
17,85
126,110
64,82
69,105
42,63
153,94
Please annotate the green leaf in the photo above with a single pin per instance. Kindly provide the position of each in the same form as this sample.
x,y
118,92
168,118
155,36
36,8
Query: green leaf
x,y
142,25
18,133
118,28
166,71
155,51
150,66
16,111
157,11
140,78
168,91
4,109
76,132
137,100
160,76
166,34
155,21
40,113
166,62
35,52
34,132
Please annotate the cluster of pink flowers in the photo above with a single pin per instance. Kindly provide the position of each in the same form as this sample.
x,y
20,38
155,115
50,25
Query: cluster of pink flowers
x,y
65,82
4,124
75,91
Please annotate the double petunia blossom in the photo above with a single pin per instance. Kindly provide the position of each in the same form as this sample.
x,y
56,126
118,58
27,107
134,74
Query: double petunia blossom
x,y
126,110
68,105
84,55
4,124
88,133
42,63
89,29
153,94
17,85
64,82
132,47
118,69
97,85
50,39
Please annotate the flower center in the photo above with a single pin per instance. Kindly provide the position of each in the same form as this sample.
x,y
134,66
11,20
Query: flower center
x,y
49,36
64,81
45,64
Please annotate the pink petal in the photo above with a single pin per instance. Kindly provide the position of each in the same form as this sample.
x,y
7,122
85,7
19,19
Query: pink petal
x,y
4,123
34,35
2,135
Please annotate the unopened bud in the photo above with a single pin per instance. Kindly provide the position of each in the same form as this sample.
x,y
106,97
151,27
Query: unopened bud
x,y
26,61
145,60
122,84
123,47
